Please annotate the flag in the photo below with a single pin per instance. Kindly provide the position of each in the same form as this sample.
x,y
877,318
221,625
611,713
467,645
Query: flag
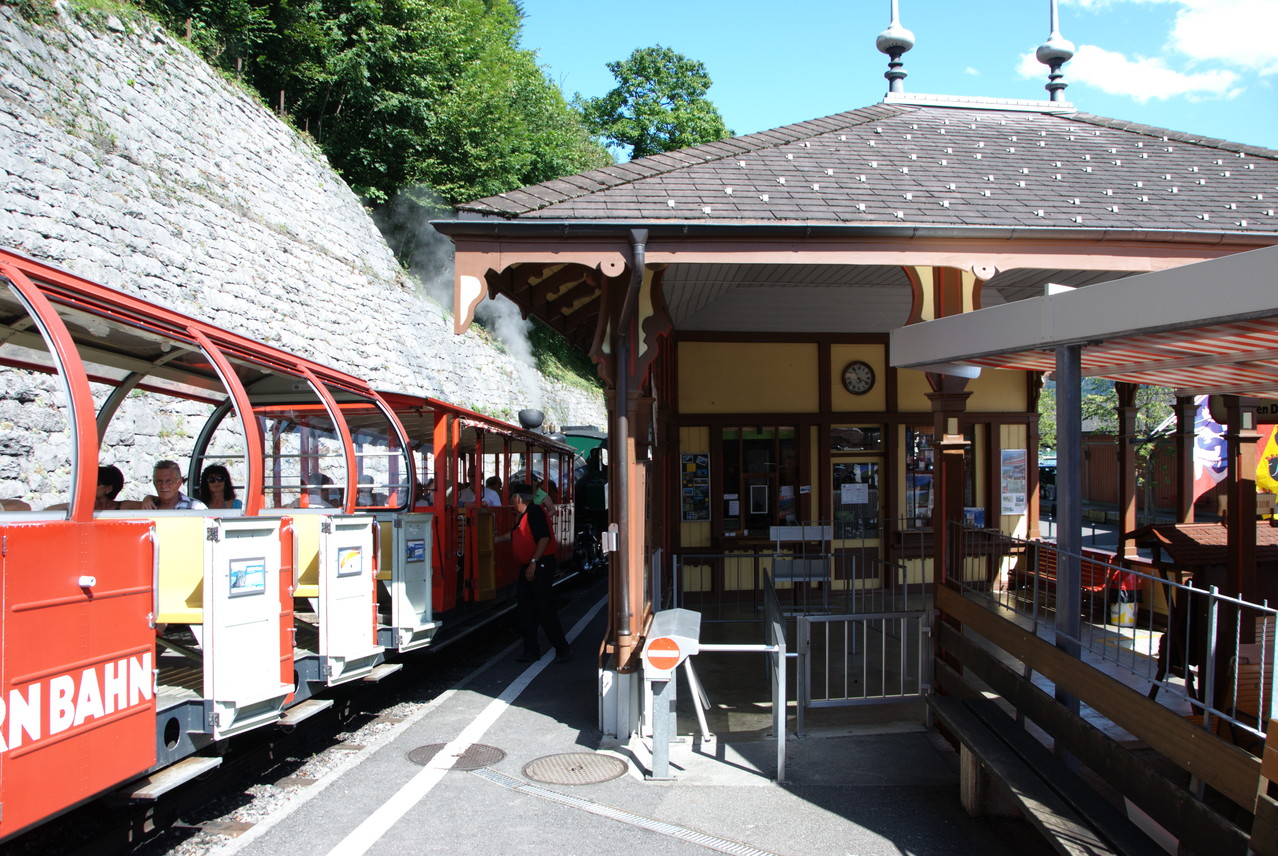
x,y
1210,462
1267,460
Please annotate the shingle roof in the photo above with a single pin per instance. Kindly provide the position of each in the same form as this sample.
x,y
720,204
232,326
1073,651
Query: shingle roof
x,y
1194,545
925,165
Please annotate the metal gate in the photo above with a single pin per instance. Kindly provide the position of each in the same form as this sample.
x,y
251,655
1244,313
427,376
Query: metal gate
x,y
880,651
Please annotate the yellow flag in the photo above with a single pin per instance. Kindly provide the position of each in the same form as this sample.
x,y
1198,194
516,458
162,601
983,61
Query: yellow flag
x,y
1267,462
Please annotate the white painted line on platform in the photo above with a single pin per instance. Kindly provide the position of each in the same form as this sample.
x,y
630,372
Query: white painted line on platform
x,y
402,801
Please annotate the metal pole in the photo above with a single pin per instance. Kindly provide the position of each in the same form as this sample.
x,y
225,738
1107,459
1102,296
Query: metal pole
x,y
1069,504
663,707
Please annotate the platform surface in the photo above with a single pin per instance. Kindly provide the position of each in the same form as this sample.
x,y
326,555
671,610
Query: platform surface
x,y
882,785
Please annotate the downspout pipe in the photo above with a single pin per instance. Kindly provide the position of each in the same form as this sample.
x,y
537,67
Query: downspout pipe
x,y
638,248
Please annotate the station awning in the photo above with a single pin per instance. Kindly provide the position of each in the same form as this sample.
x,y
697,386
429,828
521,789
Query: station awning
x,y
1205,328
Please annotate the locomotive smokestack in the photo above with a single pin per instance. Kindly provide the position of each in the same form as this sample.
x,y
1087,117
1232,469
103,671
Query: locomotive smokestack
x,y
530,420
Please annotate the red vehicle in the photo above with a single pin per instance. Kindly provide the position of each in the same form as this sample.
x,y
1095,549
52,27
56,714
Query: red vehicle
x,y
137,639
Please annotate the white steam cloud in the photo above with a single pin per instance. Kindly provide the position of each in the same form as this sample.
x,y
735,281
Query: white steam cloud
x,y
429,255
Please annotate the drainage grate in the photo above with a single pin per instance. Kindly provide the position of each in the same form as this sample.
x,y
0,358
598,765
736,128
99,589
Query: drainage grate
x,y
476,755
574,768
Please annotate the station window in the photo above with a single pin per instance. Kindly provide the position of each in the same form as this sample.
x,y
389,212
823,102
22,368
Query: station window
x,y
920,474
760,480
856,438
856,498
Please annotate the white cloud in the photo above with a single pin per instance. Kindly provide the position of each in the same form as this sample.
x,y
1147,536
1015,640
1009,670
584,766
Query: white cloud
x,y
1139,78
1242,33
975,72
1235,33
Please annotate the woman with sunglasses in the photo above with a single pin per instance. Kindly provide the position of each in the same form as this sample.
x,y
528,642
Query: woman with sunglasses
x,y
216,489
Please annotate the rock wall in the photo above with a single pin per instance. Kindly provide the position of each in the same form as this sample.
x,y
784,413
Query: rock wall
x,y
126,159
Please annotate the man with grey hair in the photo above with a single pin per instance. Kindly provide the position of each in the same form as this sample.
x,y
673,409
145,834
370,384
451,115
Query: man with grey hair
x,y
532,542
167,478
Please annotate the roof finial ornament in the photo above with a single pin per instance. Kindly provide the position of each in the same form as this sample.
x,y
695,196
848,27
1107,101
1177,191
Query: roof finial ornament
x,y
894,41
1054,53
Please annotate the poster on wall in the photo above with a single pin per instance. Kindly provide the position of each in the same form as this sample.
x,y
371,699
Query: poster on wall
x,y
1015,478
694,471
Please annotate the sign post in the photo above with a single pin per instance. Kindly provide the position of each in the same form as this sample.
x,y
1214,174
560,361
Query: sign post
x,y
674,635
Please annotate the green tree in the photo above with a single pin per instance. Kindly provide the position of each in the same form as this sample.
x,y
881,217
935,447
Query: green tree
x,y
658,105
1099,406
401,93
1047,416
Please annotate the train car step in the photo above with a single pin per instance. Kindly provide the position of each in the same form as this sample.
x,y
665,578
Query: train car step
x,y
160,782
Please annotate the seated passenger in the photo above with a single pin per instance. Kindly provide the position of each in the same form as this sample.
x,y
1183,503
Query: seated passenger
x,y
316,493
492,491
110,483
425,499
365,497
167,478
216,488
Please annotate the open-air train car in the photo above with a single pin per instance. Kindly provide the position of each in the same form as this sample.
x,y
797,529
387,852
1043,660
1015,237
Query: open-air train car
x,y
462,450
132,638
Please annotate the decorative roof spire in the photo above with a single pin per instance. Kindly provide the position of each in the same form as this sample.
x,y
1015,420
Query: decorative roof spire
x,y
894,41
1054,53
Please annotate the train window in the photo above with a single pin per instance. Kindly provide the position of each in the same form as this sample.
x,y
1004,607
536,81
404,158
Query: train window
x,y
304,461
146,427
35,420
225,447
384,469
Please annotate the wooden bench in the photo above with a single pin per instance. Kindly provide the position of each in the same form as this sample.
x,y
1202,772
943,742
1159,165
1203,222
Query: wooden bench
x,y
1253,681
180,588
1264,828
1038,567
306,529
808,558
1071,815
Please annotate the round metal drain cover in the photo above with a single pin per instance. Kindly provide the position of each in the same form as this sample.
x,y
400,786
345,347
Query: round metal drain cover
x,y
476,755
574,768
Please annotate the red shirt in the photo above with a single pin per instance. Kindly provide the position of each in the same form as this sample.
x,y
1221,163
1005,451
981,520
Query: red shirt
x,y
531,528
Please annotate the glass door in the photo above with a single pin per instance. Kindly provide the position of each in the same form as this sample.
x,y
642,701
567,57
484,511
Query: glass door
x,y
856,506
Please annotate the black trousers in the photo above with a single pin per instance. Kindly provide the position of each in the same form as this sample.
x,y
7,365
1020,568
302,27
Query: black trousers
x,y
536,607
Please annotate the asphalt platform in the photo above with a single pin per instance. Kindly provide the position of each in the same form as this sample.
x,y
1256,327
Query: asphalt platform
x,y
523,769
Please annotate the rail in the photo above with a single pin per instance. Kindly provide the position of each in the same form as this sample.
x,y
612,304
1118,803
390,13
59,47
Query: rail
x,y
763,606
1207,654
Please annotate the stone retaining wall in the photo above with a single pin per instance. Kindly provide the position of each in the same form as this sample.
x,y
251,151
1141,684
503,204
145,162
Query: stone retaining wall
x,y
126,159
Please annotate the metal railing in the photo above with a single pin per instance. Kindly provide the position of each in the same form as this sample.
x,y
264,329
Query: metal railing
x,y
774,629
774,650
1205,653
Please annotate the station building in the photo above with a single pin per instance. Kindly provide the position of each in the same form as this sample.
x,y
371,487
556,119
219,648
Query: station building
x,y
738,299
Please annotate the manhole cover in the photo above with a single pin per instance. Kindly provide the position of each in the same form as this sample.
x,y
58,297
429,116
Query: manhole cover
x,y
574,768
476,755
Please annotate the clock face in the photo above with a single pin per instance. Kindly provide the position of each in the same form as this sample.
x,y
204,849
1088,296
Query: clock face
x,y
858,377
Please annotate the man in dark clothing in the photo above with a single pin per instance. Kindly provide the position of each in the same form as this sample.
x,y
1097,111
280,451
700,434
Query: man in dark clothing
x,y
532,542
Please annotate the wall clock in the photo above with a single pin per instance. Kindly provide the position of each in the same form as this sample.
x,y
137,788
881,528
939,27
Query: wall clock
x,y
858,377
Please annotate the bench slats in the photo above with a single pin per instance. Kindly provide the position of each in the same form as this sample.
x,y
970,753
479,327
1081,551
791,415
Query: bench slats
x,y
1053,798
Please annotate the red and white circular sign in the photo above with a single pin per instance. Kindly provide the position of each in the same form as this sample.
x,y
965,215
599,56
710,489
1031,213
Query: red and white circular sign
x,y
663,653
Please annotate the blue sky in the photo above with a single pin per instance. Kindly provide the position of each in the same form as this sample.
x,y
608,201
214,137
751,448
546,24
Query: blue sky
x,y
1201,66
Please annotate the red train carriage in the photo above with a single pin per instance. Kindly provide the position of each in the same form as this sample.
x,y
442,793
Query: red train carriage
x,y
132,638
459,451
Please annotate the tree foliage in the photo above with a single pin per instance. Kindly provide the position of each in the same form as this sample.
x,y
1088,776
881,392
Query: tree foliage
x,y
1099,405
400,93
658,105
